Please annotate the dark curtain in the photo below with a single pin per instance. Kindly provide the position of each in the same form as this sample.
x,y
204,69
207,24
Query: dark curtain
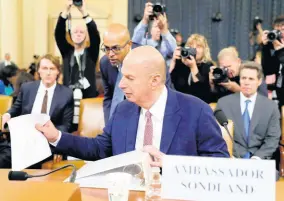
x,y
195,16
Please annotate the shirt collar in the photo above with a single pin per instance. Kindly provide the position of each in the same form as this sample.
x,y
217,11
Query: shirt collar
x,y
43,88
158,109
79,53
252,98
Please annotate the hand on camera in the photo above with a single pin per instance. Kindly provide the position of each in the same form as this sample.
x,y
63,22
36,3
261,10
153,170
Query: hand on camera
x,y
162,22
82,9
264,37
147,12
211,77
189,62
277,45
177,54
231,86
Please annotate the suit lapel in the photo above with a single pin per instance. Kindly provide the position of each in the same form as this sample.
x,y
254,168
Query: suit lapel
x,y
53,101
131,132
32,95
170,122
238,114
256,113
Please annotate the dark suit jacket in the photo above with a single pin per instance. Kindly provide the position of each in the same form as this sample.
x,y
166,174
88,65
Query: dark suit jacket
x,y
61,109
264,126
109,75
189,128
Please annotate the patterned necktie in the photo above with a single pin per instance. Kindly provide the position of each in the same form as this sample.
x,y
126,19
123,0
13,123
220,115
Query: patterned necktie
x,y
246,120
118,95
44,103
148,133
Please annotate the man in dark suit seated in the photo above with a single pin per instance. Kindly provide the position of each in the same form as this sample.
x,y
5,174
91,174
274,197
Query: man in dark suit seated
x,y
153,115
45,96
116,45
256,118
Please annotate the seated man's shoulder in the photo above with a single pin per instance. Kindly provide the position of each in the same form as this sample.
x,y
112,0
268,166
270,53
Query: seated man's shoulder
x,y
31,84
189,102
228,98
65,89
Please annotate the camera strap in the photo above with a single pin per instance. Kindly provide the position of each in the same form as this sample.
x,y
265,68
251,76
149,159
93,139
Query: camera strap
x,y
279,81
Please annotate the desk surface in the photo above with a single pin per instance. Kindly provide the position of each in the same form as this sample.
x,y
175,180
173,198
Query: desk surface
x,y
91,194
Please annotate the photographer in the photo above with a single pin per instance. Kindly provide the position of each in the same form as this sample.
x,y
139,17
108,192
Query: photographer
x,y
255,36
224,80
157,24
273,58
80,60
190,67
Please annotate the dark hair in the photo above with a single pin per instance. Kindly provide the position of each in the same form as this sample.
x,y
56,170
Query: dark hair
x,y
8,72
278,20
22,78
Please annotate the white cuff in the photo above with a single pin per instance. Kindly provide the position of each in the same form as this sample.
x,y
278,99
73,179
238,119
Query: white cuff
x,y
255,157
58,139
88,19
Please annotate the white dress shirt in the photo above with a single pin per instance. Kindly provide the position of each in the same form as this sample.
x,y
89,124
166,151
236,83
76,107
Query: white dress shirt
x,y
39,98
6,63
157,111
250,105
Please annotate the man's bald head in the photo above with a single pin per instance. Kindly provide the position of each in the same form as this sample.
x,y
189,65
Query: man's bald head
x,y
117,32
144,74
117,43
148,58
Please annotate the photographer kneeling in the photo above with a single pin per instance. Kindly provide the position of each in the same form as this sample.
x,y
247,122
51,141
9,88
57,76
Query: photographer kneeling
x,y
225,80
190,67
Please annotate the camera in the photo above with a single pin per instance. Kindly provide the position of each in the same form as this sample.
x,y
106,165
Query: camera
x,y
186,52
256,21
220,75
274,35
78,3
158,9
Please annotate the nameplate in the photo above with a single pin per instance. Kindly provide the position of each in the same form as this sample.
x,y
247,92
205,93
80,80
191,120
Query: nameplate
x,y
222,179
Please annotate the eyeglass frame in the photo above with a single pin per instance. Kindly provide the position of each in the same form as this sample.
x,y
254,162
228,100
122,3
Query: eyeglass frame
x,y
103,48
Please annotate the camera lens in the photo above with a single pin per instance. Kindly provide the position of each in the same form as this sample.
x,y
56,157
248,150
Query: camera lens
x,y
184,52
271,36
157,8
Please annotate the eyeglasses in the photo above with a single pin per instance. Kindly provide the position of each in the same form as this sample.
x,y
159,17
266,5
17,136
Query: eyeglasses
x,y
115,49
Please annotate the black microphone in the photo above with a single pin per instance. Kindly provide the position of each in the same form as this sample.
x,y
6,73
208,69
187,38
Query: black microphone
x,y
223,121
22,176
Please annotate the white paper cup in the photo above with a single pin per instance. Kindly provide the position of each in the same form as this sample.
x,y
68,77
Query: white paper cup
x,y
118,186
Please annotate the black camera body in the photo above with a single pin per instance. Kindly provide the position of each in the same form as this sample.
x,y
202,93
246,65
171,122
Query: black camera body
x,y
220,75
274,35
158,9
256,21
78,3
186,52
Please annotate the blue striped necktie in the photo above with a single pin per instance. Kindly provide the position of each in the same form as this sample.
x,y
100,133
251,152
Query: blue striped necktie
x,y
118,95
246,120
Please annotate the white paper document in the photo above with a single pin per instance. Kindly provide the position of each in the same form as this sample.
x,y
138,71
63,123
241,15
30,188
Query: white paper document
x,y
28,145
136,163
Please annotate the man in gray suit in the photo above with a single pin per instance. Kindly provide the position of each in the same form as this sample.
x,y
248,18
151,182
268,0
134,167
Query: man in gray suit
x,y
256,118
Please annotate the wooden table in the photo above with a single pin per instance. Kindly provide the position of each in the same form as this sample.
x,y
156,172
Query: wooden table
x,y
91,194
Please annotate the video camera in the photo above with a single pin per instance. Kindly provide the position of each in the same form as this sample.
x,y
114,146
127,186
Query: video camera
x,y
274,35
158,9
78,3
220,75
186,52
